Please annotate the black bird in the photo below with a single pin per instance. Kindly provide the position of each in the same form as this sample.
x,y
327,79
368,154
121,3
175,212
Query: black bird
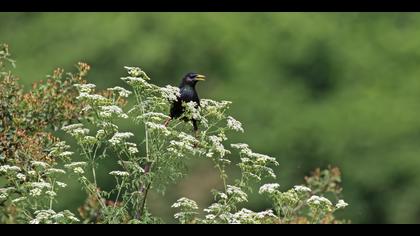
x,y
187,94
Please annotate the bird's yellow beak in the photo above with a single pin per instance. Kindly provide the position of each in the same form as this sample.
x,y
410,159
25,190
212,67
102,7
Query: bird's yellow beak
x,y
200,78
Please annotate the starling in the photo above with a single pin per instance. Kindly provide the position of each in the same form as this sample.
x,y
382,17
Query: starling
x,y
187,94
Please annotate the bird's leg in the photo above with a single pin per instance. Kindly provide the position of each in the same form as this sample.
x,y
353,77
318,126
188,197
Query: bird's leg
x,y
167,121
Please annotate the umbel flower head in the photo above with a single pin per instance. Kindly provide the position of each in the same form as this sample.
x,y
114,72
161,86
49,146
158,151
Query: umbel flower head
x,y
269,188
122,92
317,202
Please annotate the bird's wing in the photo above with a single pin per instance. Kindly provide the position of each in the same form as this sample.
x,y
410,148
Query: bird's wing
x,y
196,99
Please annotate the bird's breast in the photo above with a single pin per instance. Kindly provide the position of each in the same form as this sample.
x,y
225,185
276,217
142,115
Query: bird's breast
x,y
188,94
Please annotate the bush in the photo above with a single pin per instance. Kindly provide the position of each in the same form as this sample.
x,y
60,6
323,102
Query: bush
x,y
31,155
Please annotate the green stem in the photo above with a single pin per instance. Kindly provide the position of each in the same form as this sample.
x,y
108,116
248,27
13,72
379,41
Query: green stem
x,y
316,216
140,103
143,203
51,199
119,192
94,176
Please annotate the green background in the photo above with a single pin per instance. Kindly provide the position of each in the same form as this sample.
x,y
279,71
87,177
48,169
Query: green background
x,y
311,89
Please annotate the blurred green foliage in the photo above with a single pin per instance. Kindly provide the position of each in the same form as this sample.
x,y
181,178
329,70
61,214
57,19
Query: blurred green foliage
x,y
310,88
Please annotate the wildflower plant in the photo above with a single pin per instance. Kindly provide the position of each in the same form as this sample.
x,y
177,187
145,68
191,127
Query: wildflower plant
x,y
158,157
31,155
29,152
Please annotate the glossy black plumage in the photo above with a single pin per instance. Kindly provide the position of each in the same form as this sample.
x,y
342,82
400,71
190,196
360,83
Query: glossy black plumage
x,y
188,93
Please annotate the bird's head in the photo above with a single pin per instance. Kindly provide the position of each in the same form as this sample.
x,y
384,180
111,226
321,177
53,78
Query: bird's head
x,y
192,79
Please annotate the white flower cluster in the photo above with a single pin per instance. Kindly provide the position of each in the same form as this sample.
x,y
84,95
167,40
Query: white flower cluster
x,y
186,143
75,164
119,173
35,192
85,88
233,124
89,140
215,207
39,164
50,217
158,127
267,213
40,185
55,171
87,108
85,91
222,195
137,82
214,108
261,159
21,176
256,162
132,147
210,217
245,216
8,169
241,146
219,210
192,110
76,167
269,188
170,93
118,138
133,150
108,111
319,202
236,193
78,170
61,145
122,92
4,192
341,204
16,200
136,72
91,97
56,151
302,189
100,134
108,126
51,194
37,188
66,154
61,184
42,216
187,209
76,130
185,203
290,198
218,146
